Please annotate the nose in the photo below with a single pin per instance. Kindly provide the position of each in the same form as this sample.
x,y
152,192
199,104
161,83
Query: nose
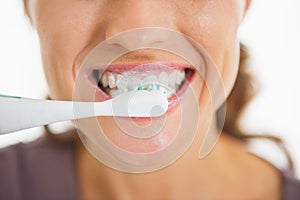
x,y
139,16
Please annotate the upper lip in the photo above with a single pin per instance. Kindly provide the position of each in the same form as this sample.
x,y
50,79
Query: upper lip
x,y
149,66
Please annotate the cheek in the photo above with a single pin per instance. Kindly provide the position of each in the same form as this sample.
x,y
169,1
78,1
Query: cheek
x,y
63,36
214,26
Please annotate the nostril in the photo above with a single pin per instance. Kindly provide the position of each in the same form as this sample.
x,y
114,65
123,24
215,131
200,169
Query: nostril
x,y
139,38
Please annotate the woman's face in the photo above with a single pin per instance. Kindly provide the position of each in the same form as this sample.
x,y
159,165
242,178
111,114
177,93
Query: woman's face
x,y
70,29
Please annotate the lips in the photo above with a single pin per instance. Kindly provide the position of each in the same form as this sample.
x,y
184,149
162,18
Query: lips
x,y
169,79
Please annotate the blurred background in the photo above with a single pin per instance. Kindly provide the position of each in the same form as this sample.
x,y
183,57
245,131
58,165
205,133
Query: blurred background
x,y
271,30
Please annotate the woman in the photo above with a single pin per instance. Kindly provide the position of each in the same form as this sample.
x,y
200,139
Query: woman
x,y
68,30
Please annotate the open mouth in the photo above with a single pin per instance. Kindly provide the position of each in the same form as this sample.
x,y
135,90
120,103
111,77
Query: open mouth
x,y
169,79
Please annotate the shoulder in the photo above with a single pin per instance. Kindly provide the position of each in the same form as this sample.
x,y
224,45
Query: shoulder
x,y
29,171
43,149
290,186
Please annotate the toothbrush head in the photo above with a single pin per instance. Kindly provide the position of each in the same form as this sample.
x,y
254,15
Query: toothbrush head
x,y
140,103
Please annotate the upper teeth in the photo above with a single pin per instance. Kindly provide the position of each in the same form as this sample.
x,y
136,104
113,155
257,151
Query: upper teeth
x,y
111,80
116,83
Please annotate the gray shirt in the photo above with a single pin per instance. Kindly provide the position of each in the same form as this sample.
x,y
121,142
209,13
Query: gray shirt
x,y
45,170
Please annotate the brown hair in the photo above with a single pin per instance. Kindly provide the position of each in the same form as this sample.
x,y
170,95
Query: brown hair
x,y
243,91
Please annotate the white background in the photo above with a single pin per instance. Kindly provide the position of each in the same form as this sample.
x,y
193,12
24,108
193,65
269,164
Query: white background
x,y
271,30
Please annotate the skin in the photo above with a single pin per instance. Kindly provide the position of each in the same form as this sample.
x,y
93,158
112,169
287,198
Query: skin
x,y
69,29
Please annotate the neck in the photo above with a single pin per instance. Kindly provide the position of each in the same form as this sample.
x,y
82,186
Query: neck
x,y
222,170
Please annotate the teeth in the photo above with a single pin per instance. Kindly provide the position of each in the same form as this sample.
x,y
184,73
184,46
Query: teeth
x,y
150,80
133,83
114,92
164,79
166,83
173,89
125,90
104,80
172,79
179,77
121,83
111,80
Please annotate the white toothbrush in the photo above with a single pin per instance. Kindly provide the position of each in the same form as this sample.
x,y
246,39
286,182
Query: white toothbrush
x,y
18,113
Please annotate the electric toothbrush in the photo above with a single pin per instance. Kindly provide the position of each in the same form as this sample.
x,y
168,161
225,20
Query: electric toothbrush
x,y
17,113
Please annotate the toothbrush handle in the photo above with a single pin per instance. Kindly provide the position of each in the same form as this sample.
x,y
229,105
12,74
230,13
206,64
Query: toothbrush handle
x,y
21,113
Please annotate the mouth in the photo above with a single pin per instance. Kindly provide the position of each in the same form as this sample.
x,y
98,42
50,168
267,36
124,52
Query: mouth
x,y
169,79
